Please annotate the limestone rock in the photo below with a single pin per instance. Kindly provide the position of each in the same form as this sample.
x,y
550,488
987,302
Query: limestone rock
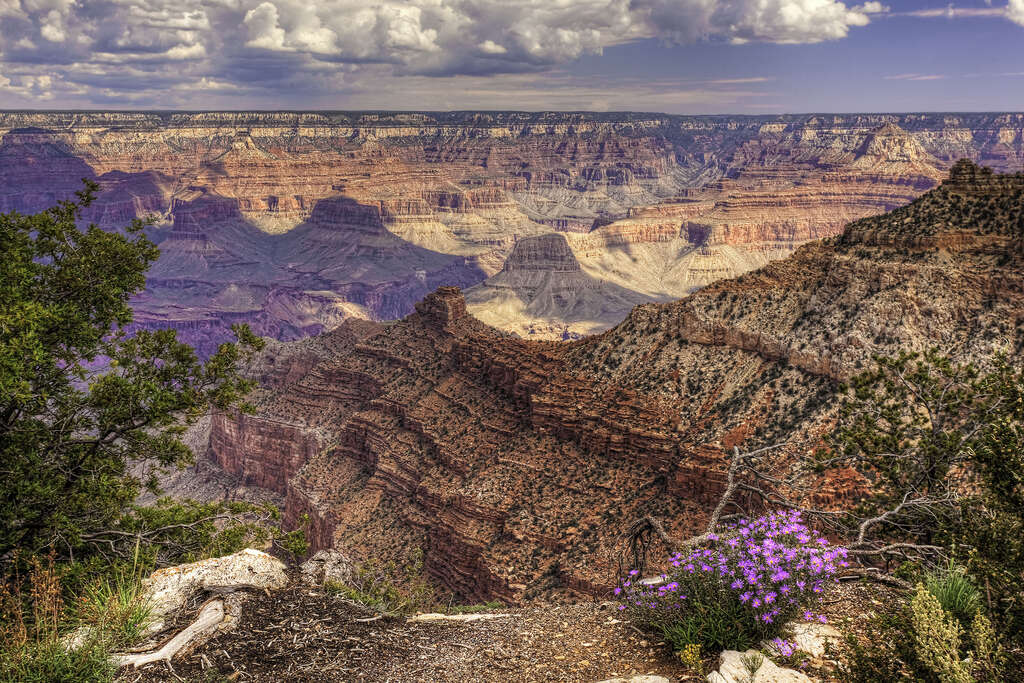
x,y
809,637
732,669
327,566
433,616
168,589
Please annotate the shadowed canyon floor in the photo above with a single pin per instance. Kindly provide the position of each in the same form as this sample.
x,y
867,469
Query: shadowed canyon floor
x,y
514,465
294,222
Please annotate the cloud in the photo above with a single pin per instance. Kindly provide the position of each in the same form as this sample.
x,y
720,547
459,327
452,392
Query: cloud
x,y
1015,11
332,45
915,77
951,11
775,21
873,8
264,31
736,81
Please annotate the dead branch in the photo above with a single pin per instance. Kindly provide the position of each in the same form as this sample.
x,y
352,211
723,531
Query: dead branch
x,y
210,616
873,574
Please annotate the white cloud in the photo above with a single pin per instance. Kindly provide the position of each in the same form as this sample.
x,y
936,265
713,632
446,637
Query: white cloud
x,y
264,31
300,46
915,77
775,21
951,11
873,7
52,28
1015,11
195,51
492,48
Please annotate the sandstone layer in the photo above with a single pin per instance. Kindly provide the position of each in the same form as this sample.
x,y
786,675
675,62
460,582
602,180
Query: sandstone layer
x,y
515,465
293,222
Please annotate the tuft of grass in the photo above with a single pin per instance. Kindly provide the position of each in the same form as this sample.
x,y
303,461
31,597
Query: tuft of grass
x,y
114,606
37,626
32,650
956,592
752,663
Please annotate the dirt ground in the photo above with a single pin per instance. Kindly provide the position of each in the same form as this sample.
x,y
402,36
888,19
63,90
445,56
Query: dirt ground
x,y
304,634
299,634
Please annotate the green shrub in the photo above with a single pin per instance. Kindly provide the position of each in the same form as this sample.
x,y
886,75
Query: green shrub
x,y
884,654
920,641
34,623
936,638
387,588
956,592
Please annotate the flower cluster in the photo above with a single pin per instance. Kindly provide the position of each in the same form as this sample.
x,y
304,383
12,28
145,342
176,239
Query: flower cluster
x,y
774,566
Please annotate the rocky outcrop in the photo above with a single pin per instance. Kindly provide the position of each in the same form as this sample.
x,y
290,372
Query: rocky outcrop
x,y
262,452
513,465
542,292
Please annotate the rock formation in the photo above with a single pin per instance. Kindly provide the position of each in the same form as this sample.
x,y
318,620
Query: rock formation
x,y
293,222
514,465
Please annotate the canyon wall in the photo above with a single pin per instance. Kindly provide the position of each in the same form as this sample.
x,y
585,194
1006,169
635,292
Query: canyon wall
x,y
515,465
293,222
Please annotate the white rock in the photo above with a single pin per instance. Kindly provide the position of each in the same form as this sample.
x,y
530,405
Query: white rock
x,y
731,669
328,566
812,637
808,637
433,616
168,589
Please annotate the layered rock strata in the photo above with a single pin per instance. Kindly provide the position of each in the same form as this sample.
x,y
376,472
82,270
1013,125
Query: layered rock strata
x,y
293,222
515,465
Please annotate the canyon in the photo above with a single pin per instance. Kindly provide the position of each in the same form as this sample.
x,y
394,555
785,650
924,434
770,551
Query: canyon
x,y
555,224
514,466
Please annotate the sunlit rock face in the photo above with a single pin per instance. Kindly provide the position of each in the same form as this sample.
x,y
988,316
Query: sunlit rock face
x,y
294,222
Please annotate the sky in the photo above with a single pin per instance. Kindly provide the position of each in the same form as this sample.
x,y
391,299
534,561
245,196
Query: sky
x,y
673,56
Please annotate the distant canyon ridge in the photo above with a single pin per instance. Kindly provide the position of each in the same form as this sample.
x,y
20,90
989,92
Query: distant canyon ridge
x,y
554,224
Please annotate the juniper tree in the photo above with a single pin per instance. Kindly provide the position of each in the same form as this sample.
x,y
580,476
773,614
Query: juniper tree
x,y
82,401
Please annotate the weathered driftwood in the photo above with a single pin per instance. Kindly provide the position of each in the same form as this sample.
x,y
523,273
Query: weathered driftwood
x,y
209,617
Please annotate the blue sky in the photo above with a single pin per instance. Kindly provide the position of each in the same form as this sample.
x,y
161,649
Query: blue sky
x,y
896,63
677,56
